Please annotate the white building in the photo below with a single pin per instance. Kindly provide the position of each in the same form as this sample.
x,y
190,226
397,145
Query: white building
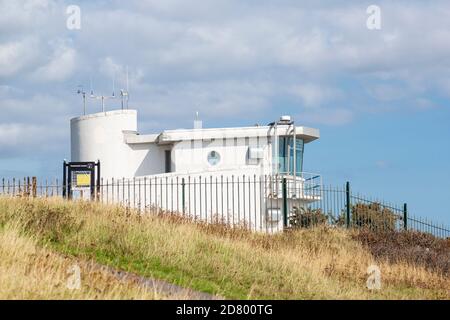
x,y
211,154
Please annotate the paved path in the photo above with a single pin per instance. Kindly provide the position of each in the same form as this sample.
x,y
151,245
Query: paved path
x,y
159,286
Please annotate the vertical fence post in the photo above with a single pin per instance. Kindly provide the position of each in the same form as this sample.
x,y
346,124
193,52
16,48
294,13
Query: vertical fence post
x,y
34,187
99,182
183,195
57,186
348,204
285,206
405,216
64,182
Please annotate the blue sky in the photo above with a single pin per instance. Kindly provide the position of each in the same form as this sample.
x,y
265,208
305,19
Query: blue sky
x,y
379,97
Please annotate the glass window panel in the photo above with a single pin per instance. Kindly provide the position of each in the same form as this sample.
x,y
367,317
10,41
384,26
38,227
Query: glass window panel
x,y
286,155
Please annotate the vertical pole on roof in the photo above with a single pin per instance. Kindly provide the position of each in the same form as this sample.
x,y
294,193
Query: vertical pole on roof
x,y
84,103
405,217
285,206
348,204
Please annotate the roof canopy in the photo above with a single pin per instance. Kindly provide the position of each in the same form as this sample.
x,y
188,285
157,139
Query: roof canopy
x,y
172,136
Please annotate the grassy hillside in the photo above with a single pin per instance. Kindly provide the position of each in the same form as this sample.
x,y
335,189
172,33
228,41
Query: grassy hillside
x,y
322,263
28,271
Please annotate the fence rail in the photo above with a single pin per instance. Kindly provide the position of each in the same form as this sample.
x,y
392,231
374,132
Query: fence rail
x,y
259,203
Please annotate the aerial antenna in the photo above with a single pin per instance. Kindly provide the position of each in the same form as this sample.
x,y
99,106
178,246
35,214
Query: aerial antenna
x,y
124,97
127,80
114,84
102,98
92,90
124,93
83,93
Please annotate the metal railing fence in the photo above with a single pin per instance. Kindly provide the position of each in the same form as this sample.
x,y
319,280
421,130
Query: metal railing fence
x,y
259,203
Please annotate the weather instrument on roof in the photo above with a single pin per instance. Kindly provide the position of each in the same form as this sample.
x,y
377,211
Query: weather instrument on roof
x,y
124,94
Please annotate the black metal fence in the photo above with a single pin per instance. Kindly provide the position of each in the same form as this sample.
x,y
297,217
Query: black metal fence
x,y
260,203
341,206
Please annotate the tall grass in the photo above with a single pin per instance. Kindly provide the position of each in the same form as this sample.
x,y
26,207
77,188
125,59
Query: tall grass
x,y
28,271
318,263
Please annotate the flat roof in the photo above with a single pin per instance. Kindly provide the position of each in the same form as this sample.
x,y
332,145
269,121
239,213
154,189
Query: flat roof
x,y
177,135
171,136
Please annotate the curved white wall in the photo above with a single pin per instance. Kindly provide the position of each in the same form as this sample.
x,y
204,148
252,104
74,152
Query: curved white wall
x,y
100,137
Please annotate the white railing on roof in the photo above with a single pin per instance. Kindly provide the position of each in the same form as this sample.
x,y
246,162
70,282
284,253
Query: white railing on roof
x,y
305,186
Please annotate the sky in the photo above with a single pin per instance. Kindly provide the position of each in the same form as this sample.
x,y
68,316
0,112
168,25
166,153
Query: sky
x,y
379,96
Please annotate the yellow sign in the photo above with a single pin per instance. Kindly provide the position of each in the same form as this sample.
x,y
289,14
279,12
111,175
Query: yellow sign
x,y
83,180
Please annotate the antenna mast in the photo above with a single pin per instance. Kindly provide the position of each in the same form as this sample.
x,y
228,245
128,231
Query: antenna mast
x,y
103,97
83,93
114,84
124,93
90,81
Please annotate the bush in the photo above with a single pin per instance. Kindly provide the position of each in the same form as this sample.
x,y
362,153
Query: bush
x,y
417,248
49,222
373,216
306,218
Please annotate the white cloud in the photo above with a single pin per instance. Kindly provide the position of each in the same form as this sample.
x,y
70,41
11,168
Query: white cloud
x,y
20,138
33,108
6,91
314,95
387,92
424,104
382,164
227,59
60,67
15,56
214,100
334,117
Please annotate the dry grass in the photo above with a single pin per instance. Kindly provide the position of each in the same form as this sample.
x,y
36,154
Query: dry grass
x,y
415,247
28,271
318,263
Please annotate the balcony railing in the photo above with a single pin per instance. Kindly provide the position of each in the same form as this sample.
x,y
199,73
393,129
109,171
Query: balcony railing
x,y
305,186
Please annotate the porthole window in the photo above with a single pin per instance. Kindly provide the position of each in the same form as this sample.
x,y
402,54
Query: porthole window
x,y
213,158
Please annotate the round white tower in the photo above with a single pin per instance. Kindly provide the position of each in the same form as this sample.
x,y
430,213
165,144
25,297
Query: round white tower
x,y
100,136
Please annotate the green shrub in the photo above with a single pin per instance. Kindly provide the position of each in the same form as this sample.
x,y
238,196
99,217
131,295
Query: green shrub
x,y
373,216
306,218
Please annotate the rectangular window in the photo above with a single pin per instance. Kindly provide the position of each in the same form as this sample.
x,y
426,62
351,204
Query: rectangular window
x,y
168,161
286,155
